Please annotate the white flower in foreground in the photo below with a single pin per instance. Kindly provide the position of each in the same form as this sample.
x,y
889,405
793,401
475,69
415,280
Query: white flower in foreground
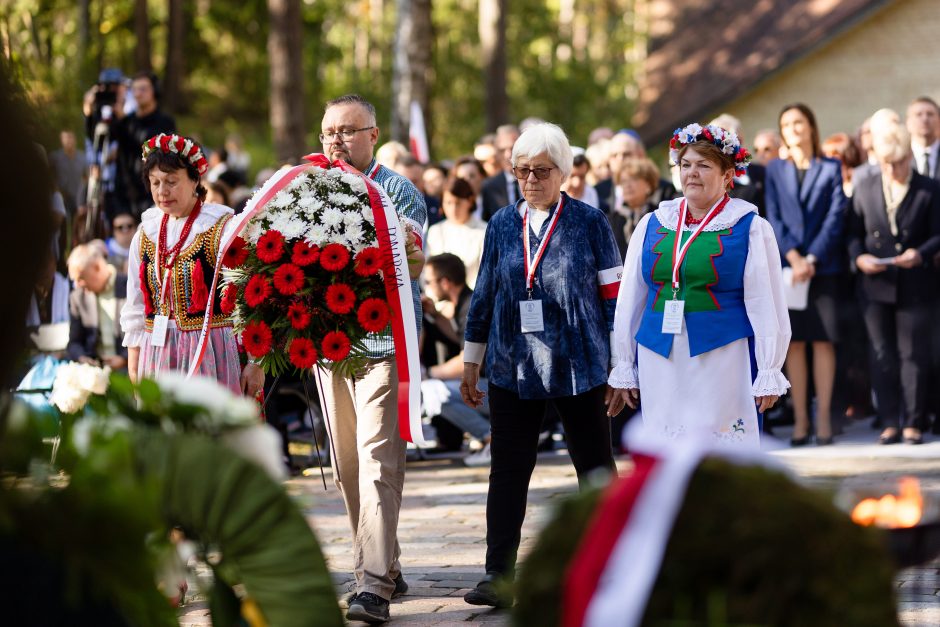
x,y
74,383
84,429
261,444
368,215
354,233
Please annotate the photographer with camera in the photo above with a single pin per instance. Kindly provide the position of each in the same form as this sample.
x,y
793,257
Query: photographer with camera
x,y
127,132
102,105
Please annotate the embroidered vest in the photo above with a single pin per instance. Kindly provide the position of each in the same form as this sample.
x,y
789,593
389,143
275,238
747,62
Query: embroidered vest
x,y
192,276
711,284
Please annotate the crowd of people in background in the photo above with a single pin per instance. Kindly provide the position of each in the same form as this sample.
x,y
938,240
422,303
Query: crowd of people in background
x,y
856,217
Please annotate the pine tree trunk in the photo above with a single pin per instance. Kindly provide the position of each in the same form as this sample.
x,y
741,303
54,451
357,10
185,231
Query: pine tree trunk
x,y
413,44
175,73
285,57
142,33
492,25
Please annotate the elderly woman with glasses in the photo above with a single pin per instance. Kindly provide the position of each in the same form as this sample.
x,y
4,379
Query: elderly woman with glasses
x,y
541,313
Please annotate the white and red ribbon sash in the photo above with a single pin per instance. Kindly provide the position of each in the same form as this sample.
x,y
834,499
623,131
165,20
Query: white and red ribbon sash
x,y
398,290
532,263
608,282
678,253
610,579
398,287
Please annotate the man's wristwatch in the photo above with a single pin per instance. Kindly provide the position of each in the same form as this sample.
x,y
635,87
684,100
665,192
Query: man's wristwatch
x,y
811,259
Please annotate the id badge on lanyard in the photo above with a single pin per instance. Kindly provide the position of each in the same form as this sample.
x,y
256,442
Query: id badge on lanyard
x,y
674,310
161,322
531,316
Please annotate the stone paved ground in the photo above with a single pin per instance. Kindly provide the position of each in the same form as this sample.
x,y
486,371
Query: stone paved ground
x,y
442,524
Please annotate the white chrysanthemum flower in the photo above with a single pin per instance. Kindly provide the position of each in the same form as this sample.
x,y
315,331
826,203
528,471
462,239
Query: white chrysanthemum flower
x,y
368,215
317,234
340,199
252,232
351,217
354,233
294,228
280,221
281,200
331,217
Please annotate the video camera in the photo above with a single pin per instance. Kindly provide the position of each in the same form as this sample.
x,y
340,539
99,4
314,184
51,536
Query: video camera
x,y
106,92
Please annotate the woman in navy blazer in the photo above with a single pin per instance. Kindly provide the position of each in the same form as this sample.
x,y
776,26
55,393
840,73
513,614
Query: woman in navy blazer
x,y
806,207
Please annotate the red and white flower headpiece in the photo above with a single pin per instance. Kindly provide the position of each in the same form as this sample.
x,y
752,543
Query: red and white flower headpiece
x,y
183,146
727,141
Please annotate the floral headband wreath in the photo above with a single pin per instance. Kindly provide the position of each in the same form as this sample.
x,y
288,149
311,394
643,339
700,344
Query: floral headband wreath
x,y
186,148
726,141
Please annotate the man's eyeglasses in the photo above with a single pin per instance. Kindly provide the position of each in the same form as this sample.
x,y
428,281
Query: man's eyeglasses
x,y
345,133
540,173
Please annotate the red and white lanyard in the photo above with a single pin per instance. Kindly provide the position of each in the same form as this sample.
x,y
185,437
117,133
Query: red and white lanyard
x,y
679,252
373,170
532,263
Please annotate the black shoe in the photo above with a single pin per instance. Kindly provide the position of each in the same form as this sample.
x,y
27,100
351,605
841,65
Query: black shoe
x,y
795,442
824,441
368,607
401,586
916,438
892,438
486,594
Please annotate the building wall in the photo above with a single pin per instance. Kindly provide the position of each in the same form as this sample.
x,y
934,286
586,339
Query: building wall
x,y
887,60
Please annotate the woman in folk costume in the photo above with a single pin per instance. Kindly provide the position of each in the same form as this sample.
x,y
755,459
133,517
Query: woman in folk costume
x,y
170,272
701,328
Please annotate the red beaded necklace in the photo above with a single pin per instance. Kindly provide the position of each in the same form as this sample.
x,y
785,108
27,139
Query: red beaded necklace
x,y
168,257
689,220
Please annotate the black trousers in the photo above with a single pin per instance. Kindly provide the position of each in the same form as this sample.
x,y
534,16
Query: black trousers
x,y
515,425
900,355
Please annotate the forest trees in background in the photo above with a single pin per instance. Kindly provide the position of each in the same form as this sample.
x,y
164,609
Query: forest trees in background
x,y
569,61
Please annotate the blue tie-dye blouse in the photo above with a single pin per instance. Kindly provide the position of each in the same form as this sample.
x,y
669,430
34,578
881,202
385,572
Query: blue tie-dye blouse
x,y
577,282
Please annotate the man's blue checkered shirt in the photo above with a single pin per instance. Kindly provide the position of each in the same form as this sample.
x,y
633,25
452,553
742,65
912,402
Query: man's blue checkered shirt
x,y
409,203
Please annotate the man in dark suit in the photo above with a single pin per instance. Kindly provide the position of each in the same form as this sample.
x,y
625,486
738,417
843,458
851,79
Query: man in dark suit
x,y
923,123
501,189
623,146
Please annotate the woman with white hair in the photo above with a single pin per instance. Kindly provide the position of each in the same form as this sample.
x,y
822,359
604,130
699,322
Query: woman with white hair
x,y
894,234
542,313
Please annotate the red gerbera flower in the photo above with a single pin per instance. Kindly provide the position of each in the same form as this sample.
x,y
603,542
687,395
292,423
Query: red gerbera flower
x,y
373,314
229,297
288,279
236,254
334,257
305,254
340,298
257,339
298,315
368,261
270,246
257,290
336,345
303,354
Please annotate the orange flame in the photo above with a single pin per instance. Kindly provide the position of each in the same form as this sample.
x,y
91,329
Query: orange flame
x,y
904,510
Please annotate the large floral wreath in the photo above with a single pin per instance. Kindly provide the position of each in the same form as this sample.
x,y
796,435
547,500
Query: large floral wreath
x,y
304,282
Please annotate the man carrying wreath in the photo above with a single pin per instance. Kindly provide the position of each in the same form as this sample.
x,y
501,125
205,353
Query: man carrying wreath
x,y
363,417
